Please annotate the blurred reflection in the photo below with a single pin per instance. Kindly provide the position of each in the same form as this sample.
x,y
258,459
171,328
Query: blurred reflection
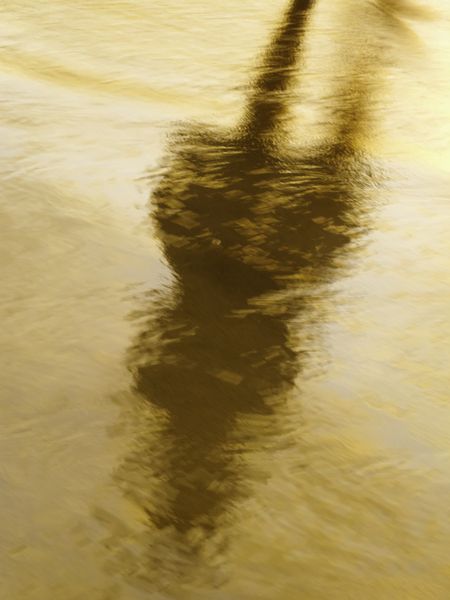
x,y
266,106
242,223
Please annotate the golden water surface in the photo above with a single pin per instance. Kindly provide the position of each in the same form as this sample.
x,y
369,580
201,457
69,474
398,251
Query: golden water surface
x,y
224,253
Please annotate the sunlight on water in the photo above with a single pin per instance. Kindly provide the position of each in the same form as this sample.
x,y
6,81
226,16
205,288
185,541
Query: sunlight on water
x,y
224,302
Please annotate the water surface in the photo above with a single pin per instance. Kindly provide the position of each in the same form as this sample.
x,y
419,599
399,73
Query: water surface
x,y
224,253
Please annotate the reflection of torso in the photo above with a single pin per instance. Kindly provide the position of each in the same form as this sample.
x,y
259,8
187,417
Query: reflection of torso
x,y
221,202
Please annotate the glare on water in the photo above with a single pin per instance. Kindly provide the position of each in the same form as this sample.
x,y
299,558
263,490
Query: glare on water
x,y
224,302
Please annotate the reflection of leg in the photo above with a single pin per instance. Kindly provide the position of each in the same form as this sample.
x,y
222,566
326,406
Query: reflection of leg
x,y
266,104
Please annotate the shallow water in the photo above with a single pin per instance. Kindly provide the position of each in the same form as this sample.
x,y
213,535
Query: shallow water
x,y
224,362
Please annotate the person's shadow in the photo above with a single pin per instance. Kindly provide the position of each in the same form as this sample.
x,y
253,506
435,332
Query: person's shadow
x,y
241,224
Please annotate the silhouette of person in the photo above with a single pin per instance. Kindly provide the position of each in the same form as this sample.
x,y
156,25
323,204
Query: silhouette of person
x,y
242,223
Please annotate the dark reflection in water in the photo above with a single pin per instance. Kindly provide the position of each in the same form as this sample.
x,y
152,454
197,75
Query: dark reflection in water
x,y
242,223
